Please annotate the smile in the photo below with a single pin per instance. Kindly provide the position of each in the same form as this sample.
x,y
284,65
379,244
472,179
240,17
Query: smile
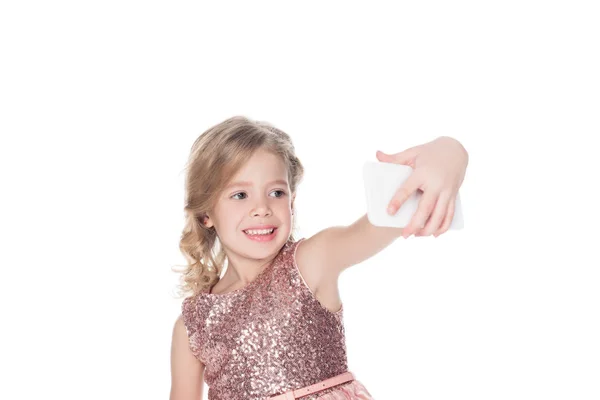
x,y
261,235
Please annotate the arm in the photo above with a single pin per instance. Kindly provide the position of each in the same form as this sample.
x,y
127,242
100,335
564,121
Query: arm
x,y
439,169
340,247
187,372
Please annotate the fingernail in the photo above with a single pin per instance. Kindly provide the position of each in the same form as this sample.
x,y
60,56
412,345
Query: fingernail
x,y
391,210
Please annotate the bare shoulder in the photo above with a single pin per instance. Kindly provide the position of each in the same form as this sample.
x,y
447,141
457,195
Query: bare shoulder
x,y
187,372
311,259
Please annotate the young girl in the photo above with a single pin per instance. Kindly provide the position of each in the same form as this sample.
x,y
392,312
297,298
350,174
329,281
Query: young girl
x,y
271,327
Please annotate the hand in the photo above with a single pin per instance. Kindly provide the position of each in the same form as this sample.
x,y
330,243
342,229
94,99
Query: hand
x,y
439,170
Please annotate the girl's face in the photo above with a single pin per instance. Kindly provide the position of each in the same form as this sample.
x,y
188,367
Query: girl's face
x,y
258,197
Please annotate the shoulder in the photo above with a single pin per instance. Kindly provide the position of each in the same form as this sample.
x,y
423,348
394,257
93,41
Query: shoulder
x,y
187,306
180,344
179,330
187,370
189,323
311,260
189,314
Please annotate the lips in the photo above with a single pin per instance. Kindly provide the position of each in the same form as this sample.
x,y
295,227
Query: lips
x,y
267,237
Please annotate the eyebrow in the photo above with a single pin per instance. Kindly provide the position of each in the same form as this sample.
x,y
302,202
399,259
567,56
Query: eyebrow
x,y
244,183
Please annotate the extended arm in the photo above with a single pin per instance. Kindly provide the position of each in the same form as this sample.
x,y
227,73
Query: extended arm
x,y
439,169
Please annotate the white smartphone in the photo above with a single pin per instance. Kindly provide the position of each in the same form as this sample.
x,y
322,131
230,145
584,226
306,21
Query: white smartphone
x,y
381,182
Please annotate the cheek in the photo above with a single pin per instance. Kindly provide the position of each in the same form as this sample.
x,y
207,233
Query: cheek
x,y
287,212
229,213
283,206
235,213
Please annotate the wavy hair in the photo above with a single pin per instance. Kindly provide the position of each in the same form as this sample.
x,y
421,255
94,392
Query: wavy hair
x,y
215,157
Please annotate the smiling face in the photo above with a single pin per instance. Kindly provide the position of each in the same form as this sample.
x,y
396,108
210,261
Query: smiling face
x,y
258,197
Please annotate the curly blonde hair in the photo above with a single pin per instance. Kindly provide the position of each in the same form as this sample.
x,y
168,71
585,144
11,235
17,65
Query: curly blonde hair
x,y
215,157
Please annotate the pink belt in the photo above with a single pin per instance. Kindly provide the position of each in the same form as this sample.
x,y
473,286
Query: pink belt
x,y
327,383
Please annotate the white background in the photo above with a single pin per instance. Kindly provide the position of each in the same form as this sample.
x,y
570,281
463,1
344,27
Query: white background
x,y
100,103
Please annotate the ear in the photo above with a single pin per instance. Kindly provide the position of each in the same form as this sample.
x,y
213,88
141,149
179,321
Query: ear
x,y
207,221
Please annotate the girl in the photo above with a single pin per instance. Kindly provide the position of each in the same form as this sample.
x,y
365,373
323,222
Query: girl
x,y
271,327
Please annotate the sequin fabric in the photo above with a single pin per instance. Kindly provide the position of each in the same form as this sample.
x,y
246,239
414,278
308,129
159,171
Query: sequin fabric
x,y
268,337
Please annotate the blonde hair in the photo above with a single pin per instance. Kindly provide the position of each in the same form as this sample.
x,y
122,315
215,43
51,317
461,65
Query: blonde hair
x,y
215,157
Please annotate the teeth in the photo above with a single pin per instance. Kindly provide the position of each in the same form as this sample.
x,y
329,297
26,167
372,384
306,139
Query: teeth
x,y
259,231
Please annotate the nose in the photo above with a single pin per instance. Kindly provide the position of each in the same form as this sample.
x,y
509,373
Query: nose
x,y
261,209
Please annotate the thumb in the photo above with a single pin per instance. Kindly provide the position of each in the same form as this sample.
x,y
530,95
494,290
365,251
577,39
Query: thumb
x,y
381,156
405,157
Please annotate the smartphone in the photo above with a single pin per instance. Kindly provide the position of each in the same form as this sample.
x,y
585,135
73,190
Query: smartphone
x,y
381,182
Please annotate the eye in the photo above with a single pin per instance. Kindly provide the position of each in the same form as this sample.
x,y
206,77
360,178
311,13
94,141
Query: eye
x,y
233,197
243,193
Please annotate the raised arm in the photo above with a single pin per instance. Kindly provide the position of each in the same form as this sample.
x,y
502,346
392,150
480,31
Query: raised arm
x,y
343,246
439,170
187,372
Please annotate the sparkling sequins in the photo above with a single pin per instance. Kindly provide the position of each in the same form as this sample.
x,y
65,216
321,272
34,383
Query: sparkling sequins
x,y
269,337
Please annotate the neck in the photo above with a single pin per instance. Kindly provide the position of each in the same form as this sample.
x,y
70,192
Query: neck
x,y
245,271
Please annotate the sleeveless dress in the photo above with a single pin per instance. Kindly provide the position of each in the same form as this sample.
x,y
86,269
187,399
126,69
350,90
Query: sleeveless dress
x,y
269,337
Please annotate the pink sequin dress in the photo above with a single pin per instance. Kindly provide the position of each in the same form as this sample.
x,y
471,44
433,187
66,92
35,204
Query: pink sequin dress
x,y
269,337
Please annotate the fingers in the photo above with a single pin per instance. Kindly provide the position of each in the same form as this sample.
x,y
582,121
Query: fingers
x,y
410,185
425,208
437,217
449,217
